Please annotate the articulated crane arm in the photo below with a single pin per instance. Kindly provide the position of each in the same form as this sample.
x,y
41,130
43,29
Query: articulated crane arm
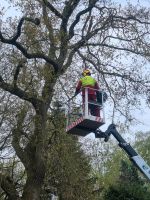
x,y
133,155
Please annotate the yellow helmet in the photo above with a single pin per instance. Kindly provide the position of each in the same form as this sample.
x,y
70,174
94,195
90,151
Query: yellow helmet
x,y
86,72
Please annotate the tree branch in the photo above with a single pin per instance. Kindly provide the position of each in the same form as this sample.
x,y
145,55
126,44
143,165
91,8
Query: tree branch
x,y
90,7
89,35
8,186
67,11
17,71
20,93
24,50
3,143
18,132
69,61
131,17
120,48
69,8
53,9
28,55
49,25
113,74
35,21
83,41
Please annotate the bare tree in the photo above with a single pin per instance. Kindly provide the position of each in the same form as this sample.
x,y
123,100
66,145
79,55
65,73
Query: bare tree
x,y
44,45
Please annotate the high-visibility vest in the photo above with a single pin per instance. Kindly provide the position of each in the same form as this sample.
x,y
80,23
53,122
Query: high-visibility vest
x,y
88,81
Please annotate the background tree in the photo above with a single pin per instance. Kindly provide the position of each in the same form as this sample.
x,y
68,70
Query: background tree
x,y
68,173
43,47
129,185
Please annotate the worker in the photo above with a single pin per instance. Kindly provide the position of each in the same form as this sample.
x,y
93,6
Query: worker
x,y
91,83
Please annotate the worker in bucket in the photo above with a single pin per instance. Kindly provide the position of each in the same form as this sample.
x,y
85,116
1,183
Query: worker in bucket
x,y
88,81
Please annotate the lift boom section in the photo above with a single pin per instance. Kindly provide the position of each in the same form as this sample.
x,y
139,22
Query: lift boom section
x,y
133,155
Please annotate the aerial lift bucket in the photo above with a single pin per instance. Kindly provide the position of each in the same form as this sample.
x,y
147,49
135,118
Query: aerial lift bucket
x,y
84,117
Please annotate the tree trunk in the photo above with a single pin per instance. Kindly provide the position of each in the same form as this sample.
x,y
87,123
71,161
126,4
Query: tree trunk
x,y
36,157
33,185
32,191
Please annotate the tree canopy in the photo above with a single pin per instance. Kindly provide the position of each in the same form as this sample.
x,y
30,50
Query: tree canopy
x,y
41,55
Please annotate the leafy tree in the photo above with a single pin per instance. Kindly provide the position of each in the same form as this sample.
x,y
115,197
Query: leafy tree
x,y
104,158
142,144
129,185
41,49
68,168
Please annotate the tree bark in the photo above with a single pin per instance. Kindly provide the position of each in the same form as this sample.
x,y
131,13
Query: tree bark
x,y
32,189
8,186
36,157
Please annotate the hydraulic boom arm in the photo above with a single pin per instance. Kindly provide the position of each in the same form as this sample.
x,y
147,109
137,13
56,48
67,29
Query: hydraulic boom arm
x,y
133,155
